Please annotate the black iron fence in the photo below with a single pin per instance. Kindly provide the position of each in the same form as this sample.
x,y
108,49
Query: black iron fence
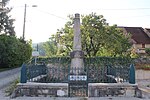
x,y
95,70
98,70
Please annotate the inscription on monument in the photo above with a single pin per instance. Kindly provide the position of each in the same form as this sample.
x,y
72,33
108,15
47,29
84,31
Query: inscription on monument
x,y
77,77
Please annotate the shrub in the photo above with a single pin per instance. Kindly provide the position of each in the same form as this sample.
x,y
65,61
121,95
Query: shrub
x,y
13,52
147,50
146,67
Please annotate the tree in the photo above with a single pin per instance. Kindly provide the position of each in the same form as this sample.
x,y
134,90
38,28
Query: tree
x,y
13,52
6,23
39,47
98,38
50,47
93,33
54,47
5,2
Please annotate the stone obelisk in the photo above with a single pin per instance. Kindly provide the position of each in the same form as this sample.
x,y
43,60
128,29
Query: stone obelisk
x,y
77,53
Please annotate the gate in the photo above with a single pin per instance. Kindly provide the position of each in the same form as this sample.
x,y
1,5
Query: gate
x,y
78,83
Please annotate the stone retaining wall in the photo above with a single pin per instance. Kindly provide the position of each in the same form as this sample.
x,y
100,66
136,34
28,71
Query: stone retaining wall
x,y
142,74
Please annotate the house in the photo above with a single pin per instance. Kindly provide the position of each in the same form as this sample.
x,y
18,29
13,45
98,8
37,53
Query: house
x,y
140,38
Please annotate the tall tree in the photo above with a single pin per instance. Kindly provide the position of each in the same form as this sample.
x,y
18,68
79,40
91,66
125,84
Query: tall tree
x,y
6,22
5,2
13,51
98,38
50,47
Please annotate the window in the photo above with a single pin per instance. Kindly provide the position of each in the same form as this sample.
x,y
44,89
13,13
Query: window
x,y
143,45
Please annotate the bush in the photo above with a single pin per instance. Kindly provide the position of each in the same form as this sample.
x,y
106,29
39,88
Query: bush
x,y
146,67
13,52
147,50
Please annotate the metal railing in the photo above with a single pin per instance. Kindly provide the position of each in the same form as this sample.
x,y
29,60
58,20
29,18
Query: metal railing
x,y
97,70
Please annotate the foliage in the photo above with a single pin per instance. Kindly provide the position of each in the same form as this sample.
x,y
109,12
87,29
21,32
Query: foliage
x,y
55,60
96,68
5,2
134,54
39,47
13,51
6,23
87,60
12,87
146,67
147,50
98,38
51,47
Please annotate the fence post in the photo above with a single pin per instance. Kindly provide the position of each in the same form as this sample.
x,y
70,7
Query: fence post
x,y
23,78
132,74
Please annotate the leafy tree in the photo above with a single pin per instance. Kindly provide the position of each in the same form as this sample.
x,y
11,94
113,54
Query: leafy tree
x,y
39,47
50,47
98,38
6,23
5,2
13,51
54,47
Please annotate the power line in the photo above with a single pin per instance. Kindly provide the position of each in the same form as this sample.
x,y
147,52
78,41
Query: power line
x,y
119,9
140,16
52,14
126,9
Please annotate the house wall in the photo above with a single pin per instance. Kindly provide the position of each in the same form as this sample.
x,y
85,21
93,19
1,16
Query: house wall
x,y
147,46
143,74
139,48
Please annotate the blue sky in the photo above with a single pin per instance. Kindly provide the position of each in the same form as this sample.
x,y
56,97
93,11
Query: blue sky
x,y
51,15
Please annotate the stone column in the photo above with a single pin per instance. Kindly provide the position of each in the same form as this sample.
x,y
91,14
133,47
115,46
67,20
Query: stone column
x,y
77,34
77,53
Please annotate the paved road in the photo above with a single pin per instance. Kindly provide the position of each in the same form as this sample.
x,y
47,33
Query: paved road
x,y
6,78
9,76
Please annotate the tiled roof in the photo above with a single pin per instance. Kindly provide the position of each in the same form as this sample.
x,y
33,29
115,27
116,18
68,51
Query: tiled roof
x,y
138,34
148,29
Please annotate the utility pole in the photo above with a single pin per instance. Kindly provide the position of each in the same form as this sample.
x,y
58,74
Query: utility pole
x,y
24,22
